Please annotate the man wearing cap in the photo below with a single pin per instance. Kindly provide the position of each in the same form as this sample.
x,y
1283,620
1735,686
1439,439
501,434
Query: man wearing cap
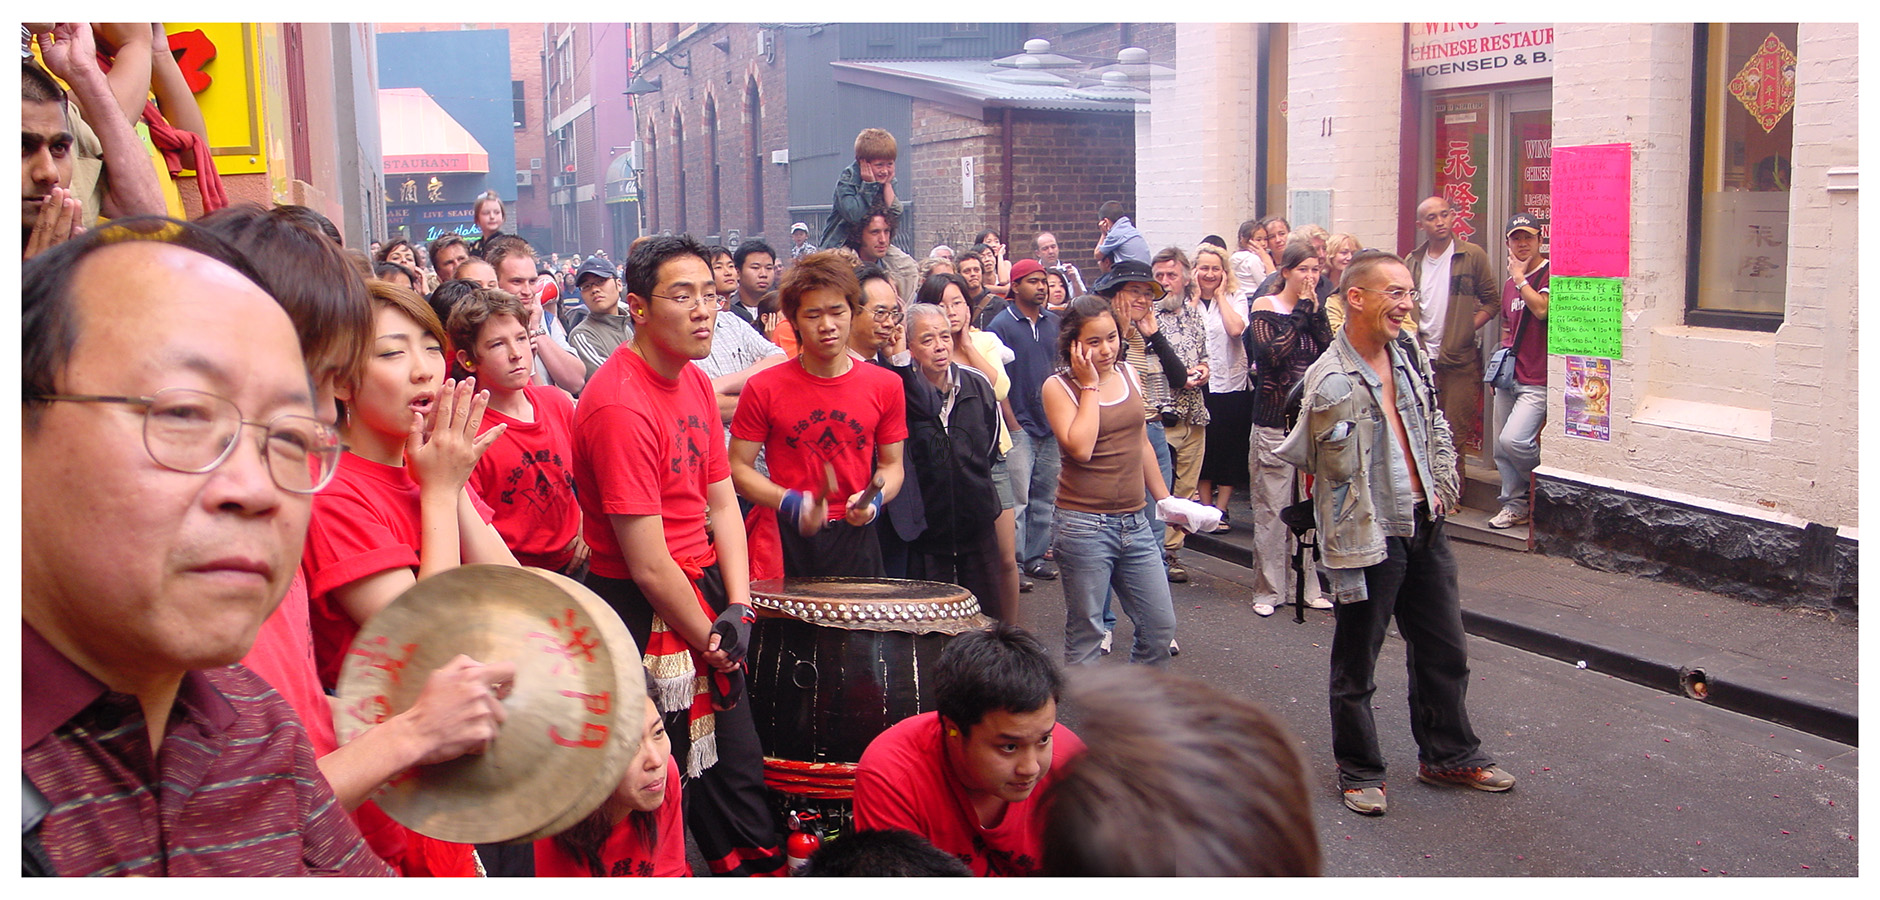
x,y
1457,288
799,242
605,327
1030,331
1521,404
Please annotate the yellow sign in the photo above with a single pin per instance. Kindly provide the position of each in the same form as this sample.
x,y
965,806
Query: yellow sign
x,y
221,61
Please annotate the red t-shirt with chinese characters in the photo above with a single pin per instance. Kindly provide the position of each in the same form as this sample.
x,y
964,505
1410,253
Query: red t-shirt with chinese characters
x,y
625,855
803,421
527,478
645,445
365,522
904,782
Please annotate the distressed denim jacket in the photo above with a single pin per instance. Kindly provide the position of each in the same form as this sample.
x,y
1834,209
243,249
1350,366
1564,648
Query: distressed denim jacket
x,y
1344,439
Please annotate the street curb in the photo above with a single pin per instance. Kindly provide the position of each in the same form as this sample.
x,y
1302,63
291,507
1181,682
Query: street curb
x,y
1745,684
1735,681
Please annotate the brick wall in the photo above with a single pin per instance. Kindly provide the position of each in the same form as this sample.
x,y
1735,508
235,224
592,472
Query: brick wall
x,y
1104,40
726,78
1064,166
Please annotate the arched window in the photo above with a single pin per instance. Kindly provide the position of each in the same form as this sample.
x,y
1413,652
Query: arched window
x,y
754,118
678,168
715,218
649,192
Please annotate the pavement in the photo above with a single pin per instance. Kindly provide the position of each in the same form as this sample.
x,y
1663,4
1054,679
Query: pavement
x,y
1796,667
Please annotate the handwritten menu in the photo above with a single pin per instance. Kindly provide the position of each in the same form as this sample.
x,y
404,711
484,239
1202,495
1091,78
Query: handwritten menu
x,y
1592,210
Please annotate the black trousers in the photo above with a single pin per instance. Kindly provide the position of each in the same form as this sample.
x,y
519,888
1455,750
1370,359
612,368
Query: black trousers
x,y
971,562
839,549
726,807
1416,583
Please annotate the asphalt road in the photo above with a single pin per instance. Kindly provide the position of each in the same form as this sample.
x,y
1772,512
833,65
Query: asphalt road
x,y
1615,779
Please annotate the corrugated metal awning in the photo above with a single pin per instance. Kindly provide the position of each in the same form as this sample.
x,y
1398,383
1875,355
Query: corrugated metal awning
x,y
971,87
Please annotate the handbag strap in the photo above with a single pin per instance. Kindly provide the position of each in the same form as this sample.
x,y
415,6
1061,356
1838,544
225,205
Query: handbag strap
x,y
1521,323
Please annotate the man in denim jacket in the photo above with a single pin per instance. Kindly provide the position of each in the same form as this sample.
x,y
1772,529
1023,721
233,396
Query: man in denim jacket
x,y
1380,447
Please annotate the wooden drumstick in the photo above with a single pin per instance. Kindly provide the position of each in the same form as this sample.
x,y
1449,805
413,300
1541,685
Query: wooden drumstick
x,y
873,490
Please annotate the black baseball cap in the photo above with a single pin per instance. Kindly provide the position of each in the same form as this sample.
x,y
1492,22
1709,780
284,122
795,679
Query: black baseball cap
x,y
1521,222
594,266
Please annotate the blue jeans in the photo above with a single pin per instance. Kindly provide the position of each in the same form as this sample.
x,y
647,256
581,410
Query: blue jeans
x,y
1033,465
1158,439
1416,582
1519,413
1097,553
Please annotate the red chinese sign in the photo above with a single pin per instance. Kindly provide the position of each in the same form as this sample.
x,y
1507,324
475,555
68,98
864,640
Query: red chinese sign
x,y
1461,152
1766,83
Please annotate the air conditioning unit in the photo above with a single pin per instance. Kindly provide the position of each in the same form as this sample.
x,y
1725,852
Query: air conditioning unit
x,y
524,178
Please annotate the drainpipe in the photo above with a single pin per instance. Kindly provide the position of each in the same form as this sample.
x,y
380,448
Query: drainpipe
x,y
1005,204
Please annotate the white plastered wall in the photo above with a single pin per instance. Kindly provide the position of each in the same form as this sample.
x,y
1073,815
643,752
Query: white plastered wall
x,y
1737,419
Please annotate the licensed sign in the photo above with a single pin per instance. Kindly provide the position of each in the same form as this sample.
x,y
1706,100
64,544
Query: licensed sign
x,y
1443,55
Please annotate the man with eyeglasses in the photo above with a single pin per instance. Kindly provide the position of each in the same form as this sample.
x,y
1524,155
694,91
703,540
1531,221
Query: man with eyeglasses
x,y
169,421
1458,298
1372,434
668,546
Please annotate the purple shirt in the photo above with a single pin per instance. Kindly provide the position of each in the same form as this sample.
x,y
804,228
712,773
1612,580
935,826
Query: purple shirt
x,y
235,790
1530,361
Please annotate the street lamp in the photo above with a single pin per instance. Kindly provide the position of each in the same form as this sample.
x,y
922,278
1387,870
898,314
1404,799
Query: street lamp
x,y
642,85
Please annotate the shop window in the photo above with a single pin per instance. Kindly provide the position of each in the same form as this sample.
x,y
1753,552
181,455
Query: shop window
x,y
1743,107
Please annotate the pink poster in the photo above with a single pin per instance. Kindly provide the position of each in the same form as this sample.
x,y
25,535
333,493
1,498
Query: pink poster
x,y
1592,210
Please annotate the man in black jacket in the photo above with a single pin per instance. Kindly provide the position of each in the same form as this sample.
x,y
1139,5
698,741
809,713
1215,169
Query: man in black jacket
x,y
952,436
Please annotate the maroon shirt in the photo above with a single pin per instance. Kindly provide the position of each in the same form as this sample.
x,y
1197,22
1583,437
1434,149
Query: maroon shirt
x,y
235,790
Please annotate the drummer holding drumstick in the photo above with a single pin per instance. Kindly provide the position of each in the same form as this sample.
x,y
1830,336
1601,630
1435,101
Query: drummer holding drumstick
x,y
830,427
668,545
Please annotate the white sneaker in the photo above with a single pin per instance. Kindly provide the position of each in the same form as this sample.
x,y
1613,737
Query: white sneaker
x,y
1263,609
1104,648
1319,603
1174,648
1507,518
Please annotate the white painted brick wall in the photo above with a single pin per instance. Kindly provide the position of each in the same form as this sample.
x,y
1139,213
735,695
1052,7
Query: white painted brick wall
x,y
1195,147
1351,74
1632,83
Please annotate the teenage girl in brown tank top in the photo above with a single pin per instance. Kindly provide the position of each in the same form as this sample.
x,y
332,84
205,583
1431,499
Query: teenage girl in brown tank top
x,y
1104,540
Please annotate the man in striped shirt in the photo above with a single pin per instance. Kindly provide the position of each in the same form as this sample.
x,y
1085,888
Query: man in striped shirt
x,y
158,532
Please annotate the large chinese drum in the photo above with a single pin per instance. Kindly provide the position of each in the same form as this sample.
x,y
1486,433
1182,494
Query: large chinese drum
x,y
575,709
833,663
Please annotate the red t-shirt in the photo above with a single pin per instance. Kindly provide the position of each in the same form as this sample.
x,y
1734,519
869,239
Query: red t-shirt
x,y
904,782
365,522
527,478
645,445
624,854
804,421
283,655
